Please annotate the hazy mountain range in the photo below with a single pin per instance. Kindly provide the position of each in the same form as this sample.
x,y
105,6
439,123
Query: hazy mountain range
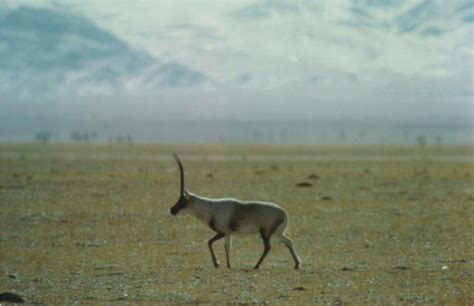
x,y
359,60
45,52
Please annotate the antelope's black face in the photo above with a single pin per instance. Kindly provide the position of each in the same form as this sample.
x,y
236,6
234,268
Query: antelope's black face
x,y
181,204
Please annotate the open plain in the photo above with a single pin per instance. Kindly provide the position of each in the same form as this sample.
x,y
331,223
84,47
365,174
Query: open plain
x,y
372,224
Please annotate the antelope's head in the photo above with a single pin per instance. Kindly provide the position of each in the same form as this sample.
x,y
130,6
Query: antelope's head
x,y
183,199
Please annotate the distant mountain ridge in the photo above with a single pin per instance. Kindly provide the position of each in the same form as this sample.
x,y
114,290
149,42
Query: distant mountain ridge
x,y
45,51
42,44
426,15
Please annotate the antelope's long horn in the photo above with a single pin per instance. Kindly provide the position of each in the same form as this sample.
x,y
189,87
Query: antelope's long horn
x,y
181,171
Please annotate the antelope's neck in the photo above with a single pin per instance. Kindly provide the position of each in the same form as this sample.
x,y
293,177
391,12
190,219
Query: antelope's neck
x,y
200,208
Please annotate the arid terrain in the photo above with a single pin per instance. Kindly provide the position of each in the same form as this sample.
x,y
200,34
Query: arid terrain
x,y
372,224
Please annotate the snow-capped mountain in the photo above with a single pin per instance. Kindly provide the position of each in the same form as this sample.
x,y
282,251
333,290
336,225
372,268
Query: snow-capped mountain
x,y
44,51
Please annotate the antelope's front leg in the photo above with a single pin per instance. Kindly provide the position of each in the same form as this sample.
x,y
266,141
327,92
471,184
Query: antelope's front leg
x,y
228,245
210,242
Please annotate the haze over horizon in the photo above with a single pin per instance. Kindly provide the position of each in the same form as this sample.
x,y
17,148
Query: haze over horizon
x,y
80,64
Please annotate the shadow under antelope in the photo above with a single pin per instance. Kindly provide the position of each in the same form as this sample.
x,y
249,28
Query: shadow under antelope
x,y
229,217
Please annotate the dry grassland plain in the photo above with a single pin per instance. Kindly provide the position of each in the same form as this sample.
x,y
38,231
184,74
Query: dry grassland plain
x,y
90,224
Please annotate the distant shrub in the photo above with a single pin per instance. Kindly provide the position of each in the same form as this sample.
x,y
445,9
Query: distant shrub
x,y
421,140
43,137
83,137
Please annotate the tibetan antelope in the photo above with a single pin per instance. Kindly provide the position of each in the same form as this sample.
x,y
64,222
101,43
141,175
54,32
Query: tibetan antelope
x,y
227,217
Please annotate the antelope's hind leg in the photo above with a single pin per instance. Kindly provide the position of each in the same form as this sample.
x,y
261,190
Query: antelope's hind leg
x,y
210,242
266,234
289,244
266,245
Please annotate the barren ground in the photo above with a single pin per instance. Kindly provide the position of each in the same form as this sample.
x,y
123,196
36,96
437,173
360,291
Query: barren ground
x,y
379,225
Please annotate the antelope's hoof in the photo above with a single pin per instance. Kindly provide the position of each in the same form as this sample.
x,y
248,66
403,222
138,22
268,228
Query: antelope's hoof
x,y
256,267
